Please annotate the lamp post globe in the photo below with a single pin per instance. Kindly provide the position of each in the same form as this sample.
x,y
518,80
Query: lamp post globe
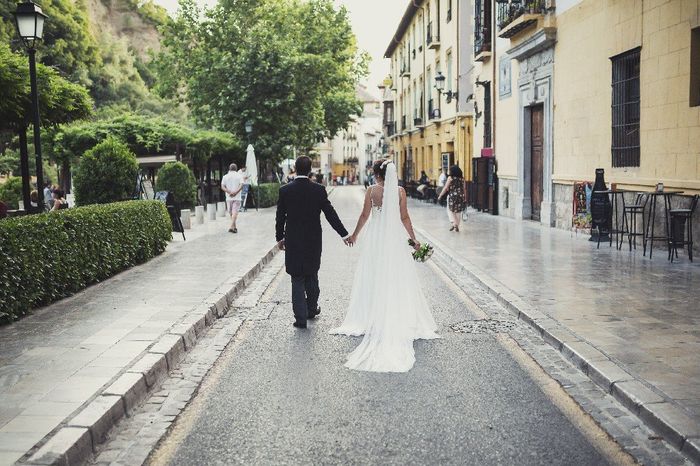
x,y
440,82
29,20
249,127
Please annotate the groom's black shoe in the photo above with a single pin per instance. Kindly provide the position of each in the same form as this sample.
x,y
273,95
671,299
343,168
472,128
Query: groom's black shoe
x,y
313,315
298,325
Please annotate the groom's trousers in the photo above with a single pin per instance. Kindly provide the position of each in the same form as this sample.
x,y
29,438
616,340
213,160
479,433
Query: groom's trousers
x,y
305,292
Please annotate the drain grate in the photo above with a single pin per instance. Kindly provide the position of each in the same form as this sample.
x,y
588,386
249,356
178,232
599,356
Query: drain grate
x,y
483,326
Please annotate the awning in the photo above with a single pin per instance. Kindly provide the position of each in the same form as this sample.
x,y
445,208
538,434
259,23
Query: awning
x,y
155,161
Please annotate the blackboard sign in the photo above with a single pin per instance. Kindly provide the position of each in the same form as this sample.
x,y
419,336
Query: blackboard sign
x,y
600,205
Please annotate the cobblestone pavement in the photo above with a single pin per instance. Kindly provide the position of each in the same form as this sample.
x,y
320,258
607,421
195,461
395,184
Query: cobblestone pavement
x,y
641,313
59,358
280,396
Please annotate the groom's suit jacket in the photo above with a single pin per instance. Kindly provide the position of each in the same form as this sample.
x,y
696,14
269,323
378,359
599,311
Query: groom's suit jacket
x,y
299,224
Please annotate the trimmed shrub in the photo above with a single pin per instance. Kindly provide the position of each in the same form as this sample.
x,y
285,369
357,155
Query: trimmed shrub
x,y
269,194
107,173
177,178
11,192
48,256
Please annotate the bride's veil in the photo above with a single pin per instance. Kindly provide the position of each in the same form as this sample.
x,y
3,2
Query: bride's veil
x,y
391,215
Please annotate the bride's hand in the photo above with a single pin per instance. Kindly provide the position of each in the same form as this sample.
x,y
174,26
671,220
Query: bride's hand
x,y
416,245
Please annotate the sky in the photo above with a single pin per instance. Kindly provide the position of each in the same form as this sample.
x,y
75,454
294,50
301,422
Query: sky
x,y
374,23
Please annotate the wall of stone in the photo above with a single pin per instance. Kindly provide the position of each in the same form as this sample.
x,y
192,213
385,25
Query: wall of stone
x,y
563,205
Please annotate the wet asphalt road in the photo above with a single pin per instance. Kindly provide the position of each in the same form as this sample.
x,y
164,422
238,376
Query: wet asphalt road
x,y
279,395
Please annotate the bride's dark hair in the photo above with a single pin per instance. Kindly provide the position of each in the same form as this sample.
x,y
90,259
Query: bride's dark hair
x,y
378,169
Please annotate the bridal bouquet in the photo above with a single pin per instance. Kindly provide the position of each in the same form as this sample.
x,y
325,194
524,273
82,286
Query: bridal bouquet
x,y
423,253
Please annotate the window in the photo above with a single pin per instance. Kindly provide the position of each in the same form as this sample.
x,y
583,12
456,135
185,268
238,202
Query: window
x,y
625,109
449,10
449,71
695,67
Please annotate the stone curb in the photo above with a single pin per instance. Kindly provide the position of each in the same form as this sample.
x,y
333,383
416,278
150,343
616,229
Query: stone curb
x,y
656,410
77,439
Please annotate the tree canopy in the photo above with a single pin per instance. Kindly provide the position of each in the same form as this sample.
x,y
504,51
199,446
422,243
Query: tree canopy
x,y
60,101
143,135
290,66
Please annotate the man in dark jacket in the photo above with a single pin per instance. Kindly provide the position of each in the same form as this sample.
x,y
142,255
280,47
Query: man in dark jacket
x,y
298,231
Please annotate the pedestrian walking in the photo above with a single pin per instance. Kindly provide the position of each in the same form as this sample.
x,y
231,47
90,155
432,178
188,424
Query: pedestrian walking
x,y
456,192
232,184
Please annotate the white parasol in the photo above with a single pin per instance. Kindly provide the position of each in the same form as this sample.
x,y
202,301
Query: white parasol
x,y
251,165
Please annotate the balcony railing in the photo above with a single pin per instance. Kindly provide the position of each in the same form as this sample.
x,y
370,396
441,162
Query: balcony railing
x,y
390,128
482,40
509,12
431,37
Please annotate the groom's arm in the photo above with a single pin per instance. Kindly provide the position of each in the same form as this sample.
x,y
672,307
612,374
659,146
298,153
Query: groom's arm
x,y
281,218
332,215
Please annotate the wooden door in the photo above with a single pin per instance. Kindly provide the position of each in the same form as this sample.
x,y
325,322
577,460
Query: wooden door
x,y
536,160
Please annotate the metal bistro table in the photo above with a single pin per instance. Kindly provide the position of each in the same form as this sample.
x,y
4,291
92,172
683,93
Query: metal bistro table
x,y
614,193
649,237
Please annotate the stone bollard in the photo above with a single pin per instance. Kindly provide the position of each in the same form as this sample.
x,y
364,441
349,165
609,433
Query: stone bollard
x,y
199,214
211,211
185,218
221,209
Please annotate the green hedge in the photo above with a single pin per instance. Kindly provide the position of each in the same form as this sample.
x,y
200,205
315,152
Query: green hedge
x,y
48,256
177,178
269,194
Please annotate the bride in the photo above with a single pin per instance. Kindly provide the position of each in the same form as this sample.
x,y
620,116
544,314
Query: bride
x,y
387,304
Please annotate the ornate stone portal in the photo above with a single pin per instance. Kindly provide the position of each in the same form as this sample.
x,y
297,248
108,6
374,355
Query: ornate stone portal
x,y
536,57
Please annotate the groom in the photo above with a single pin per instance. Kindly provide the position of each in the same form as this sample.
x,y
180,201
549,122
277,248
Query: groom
x,y
298,232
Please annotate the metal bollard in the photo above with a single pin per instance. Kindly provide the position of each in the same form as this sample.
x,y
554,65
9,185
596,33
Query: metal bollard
x,y
221,209
185,218
199,214
211,211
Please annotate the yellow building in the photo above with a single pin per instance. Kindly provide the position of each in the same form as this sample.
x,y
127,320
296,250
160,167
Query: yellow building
x,y
583,84
430,127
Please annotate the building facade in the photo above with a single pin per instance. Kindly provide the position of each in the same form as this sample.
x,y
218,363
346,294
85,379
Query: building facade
x,y
428,122
353,150
566,87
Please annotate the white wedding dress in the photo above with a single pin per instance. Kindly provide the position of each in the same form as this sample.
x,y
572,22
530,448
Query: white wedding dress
x,y
387,304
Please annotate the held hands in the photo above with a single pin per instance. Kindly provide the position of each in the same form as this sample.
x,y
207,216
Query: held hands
x,y
350,240
280,245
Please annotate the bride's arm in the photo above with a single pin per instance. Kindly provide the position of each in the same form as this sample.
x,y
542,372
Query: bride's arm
x,y
366,209
405,218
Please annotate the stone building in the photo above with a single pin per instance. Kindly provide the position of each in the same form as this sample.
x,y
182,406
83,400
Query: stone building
x,y
565,87
428,123
352,150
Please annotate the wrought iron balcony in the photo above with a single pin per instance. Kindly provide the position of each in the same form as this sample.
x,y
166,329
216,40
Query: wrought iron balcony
x,y
432,38
482,41
390,128
516,15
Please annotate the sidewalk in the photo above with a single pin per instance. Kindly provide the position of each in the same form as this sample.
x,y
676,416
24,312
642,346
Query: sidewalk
x,y
66,355
631,323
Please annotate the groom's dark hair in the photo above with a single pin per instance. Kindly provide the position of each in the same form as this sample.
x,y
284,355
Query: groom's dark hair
x,y
303,166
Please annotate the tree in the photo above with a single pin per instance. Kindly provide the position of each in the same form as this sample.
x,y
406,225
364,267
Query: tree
x,y
107,173
60,101
289,66
177,178
11,192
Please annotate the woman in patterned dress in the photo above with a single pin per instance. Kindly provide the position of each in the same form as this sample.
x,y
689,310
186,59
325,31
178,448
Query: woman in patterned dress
x,y
456,191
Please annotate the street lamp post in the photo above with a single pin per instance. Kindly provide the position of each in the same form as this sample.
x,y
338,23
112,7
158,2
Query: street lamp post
x,y
249,132
440,86
30,26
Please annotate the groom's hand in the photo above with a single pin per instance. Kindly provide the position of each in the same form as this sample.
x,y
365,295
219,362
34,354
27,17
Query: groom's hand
x,y
280,245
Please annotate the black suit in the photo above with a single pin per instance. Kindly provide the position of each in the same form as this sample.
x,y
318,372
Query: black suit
x,y
299,224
